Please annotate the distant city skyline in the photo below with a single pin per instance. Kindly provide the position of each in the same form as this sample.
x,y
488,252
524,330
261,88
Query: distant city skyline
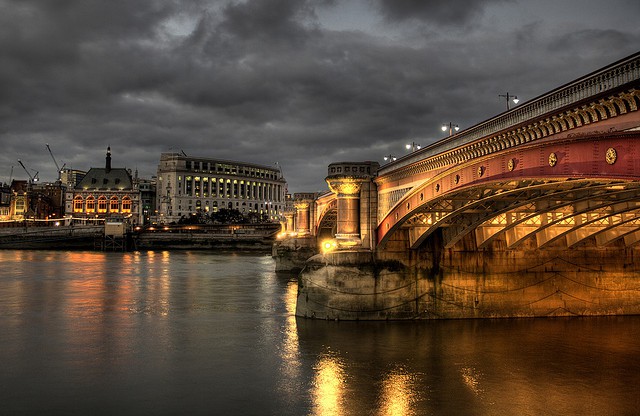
x,y
298,83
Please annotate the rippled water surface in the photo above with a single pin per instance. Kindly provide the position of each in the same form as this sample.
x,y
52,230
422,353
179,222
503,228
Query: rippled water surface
x,y
202,333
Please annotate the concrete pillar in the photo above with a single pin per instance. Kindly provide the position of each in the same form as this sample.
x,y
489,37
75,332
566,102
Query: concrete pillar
x,y
289,222
302,217
347,191
352,184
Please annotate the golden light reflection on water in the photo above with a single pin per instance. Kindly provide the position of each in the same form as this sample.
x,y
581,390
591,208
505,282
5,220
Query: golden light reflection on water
x,y
471,378
291,369
290,345
85,300
328,389
398,396
156,300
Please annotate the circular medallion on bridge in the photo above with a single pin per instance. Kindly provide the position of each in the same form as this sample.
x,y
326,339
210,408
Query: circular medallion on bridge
x,y
611,156
480,170
437,187
511,165
457,179
553,159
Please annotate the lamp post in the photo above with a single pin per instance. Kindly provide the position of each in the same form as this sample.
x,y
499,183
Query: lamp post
x,y
507,96
451,127
413,146
390,158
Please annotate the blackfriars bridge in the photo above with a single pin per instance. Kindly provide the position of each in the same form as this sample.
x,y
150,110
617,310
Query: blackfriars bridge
x,y
533,212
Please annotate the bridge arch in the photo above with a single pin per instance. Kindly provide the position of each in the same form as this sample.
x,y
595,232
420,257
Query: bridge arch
x,y
327,221
466,196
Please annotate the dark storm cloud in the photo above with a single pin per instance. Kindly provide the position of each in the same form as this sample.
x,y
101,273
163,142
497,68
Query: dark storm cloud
x,y
269,81
441,12
598,41
271,20
330,89
63,52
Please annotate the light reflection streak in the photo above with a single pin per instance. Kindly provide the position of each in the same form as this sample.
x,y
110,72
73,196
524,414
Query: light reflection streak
x,y
291,370
158,299
398,395
328,389
290,347
471,379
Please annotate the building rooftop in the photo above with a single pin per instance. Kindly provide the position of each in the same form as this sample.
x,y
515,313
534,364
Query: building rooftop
x,y
106,178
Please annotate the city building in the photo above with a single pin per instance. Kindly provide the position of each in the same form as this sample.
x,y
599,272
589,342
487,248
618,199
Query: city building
x,y
188,185
24,200
147,198
46,200
105,193
5,202
71,177
20,201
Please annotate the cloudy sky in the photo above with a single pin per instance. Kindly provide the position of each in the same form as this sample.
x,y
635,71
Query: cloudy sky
x,y
302,83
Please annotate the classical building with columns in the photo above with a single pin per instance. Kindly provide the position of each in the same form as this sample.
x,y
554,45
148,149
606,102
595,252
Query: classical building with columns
x,y
187,185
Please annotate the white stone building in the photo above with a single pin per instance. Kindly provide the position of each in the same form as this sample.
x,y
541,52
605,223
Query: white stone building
x,y
187,185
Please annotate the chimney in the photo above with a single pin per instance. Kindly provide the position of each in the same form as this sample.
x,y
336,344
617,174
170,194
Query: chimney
x,y
108,165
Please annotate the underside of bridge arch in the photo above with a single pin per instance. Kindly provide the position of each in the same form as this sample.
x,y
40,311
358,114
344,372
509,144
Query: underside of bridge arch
x,y
564,212
328,224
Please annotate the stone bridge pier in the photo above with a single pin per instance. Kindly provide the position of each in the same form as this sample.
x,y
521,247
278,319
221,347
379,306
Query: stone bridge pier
x,y
298,242
356,203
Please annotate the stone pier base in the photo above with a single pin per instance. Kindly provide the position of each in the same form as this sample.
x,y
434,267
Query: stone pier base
x,y
434,283
291,254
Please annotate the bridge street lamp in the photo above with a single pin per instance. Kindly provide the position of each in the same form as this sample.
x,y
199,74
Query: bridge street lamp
x,y
390,158
451,127
507,96
413,146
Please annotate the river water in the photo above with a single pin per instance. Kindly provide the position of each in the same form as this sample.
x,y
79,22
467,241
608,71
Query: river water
x,y
200,333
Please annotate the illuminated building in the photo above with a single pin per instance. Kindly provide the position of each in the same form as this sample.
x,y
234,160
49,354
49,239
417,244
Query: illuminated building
x,y
105,193
5,202
187,185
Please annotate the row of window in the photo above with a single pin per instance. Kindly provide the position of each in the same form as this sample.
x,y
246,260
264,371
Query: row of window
x,y
353,169
105,181
230,169
101,204
220,188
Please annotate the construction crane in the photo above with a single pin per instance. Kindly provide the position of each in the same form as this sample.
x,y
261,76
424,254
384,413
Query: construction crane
x,y
33,178
56,163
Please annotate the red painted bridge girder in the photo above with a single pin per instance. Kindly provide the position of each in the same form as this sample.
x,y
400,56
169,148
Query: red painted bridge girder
x,y
602,156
